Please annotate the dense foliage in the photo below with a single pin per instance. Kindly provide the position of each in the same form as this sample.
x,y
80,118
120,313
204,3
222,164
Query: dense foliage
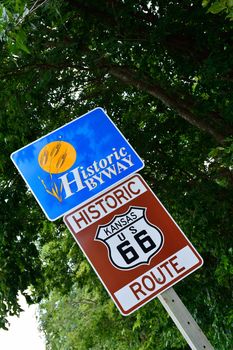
x,y
163,72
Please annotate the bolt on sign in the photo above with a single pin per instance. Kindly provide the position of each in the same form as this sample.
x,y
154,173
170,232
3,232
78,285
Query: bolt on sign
x,y
132,242
76,162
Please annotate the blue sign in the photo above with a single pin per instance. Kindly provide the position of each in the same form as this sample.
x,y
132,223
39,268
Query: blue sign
x,y
76,162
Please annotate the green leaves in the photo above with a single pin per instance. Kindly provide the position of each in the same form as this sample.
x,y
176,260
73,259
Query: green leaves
x,y
11,31
220,6
57,61
17,42
220,163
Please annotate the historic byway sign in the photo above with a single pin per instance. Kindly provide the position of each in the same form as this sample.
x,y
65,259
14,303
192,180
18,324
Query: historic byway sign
x,y
132,242
76,162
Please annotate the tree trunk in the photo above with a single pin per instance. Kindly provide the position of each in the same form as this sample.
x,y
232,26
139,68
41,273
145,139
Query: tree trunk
x,y
173,102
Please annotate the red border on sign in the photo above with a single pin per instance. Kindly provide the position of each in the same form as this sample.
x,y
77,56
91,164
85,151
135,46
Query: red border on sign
x,y
96,252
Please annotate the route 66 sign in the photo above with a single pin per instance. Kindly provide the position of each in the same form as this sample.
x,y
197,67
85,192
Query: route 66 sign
x,y
133,244
131,239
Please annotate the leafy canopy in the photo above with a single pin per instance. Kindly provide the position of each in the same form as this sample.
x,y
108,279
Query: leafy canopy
x,y
163,72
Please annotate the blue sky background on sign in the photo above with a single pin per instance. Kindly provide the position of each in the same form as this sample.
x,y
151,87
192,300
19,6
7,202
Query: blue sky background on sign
x,y
94,138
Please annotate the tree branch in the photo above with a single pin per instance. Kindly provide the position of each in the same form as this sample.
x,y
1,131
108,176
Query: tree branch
x,y
129,77
42,66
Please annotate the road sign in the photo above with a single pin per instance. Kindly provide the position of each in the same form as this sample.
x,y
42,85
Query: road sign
x,y
76,162
132,242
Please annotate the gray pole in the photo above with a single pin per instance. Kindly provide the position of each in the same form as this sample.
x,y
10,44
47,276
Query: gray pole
x,y
184,321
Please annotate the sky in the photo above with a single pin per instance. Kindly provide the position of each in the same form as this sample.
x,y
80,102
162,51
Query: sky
x,y
23,333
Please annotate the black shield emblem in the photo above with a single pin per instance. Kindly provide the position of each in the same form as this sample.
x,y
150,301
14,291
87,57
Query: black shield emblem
x,y
131,239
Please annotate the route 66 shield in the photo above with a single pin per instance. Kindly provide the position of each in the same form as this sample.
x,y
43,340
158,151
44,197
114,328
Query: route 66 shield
x,y
131,239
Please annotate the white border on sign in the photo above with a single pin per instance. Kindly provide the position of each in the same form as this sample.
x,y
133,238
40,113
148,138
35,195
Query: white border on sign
x,y
142,303
72,121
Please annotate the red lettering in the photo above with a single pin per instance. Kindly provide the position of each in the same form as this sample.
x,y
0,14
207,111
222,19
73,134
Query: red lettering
x,y
130,188
148,283
119,194
95,212
166,268
87,216
159,280
111,198
101,205
175,264
126,190
136,289
82,218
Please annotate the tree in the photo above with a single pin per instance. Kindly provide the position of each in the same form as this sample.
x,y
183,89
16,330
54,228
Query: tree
x,y
219,6
163,72
81,321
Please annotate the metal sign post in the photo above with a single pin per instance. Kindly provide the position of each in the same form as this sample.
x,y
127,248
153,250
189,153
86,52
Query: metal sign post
x,y
184,321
